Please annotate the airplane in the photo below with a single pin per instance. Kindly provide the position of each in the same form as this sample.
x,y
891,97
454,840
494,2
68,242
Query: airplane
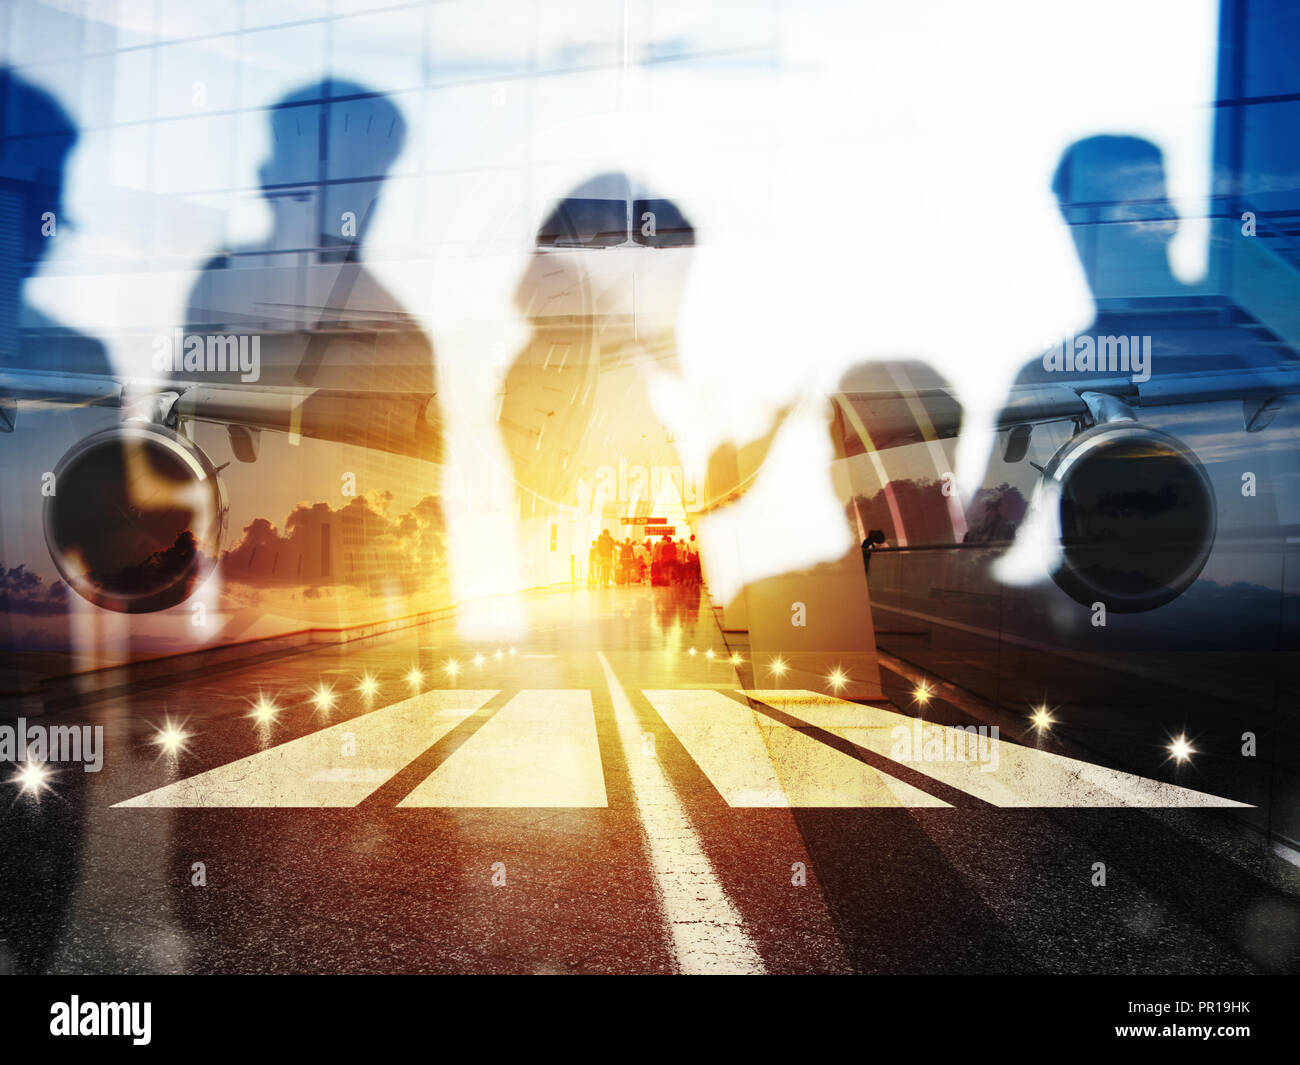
x,y
135,513
1128,564
1108,419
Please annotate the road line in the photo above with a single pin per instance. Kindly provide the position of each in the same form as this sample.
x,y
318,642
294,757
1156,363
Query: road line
x,y
336,766
1002,773
539,750
707,932
756,762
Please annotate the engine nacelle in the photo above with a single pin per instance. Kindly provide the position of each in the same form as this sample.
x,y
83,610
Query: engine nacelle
x,y
136,518
1134,514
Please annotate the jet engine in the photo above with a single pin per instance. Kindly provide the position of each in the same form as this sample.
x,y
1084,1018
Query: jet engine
x,y
135,520
1135,514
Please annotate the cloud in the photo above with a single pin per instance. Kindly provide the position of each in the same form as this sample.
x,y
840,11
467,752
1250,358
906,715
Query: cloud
x,y
25,592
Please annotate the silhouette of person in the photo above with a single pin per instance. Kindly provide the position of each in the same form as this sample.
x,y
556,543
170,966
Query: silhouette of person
x,y
1111,192
37,137
1112,195
333,143
36,140
1133,549
575,400
324,320
44,840
892,426
576,392
605,553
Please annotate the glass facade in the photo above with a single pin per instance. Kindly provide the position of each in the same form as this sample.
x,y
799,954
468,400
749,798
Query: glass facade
x,y
901,340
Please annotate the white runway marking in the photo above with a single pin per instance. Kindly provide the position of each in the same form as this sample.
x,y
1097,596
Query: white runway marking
x,y
318,770
707,932
541,750
538,750
755,761
1019,776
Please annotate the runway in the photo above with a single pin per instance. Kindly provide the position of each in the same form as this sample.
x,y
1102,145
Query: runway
x,y
613,793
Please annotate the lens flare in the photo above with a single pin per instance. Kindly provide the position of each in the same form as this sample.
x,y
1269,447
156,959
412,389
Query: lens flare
x,y
171,737
264,709
323,698
32,778
1181,749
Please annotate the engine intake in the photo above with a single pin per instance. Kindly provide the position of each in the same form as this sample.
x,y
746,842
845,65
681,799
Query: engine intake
x,y
136,518
1137,516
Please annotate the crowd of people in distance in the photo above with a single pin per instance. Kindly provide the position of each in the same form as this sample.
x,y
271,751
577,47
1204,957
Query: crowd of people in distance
x,y
659,562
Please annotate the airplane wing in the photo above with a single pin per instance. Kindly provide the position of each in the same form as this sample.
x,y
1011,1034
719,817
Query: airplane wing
x,y
400,423
406,423
878,419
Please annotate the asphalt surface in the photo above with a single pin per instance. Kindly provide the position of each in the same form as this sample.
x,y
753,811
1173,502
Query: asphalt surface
x,y
548,808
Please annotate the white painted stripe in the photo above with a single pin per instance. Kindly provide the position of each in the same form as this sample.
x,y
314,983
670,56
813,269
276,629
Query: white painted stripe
x,y
317,770
539,750
1008,774
707,932
755,761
